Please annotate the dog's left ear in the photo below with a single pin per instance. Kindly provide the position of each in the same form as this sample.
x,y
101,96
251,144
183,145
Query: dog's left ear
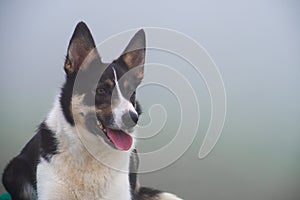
x,y
134,54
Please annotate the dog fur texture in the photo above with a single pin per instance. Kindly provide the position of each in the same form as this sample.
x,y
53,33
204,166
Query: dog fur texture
x,y
57,162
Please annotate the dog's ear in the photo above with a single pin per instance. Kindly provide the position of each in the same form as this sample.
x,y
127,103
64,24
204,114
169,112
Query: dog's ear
x,y
81,44
134,54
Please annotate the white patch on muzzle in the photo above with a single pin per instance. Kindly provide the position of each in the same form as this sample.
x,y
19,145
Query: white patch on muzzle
x,y
123,106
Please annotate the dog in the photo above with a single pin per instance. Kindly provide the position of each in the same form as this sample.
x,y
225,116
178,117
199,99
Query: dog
x,y
92,120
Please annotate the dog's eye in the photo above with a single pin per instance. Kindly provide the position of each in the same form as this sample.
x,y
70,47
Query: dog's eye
x,y
100,91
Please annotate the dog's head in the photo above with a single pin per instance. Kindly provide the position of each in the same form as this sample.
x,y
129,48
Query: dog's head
x,y
107,89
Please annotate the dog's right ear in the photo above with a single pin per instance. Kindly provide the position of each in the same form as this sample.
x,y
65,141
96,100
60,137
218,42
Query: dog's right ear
x,y
134,54
81,44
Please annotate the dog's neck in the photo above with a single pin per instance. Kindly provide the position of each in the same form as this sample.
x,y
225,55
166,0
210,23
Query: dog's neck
x,y
82,145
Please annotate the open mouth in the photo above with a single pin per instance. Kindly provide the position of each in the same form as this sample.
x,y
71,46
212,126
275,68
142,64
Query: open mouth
x,y
118,139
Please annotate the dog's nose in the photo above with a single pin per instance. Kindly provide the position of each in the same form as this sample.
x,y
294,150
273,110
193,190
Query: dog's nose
x,y
130,119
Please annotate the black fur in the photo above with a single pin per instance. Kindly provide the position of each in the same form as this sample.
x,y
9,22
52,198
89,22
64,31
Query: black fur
x,y
21,170
65,98
48,142
147,194
19,177
134,164
137,193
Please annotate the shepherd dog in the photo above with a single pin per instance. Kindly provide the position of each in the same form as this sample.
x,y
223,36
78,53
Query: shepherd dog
x,y
85,147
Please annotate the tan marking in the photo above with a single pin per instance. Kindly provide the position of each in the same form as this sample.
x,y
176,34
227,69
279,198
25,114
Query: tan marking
x,y
134,58
105,110
126,84
138,71
109,82
79,110
68,66
92,55
140,75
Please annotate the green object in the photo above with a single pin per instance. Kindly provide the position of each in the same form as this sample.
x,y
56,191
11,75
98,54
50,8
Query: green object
x,y
5,196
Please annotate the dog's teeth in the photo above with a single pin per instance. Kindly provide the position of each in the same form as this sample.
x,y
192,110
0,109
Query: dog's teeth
x,y
99,124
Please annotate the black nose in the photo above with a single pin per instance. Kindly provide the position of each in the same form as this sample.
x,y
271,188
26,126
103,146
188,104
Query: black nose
x,y
130,119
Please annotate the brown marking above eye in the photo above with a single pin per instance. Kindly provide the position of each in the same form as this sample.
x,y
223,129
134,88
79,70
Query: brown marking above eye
x,y
109,82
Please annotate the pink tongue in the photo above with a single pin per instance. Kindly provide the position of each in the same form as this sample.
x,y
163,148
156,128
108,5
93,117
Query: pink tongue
x,y
121,140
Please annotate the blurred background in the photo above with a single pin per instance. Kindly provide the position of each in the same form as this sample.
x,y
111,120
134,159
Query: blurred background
x,y
256,46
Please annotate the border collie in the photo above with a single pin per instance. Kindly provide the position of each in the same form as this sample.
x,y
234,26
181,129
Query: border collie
x,y
81,150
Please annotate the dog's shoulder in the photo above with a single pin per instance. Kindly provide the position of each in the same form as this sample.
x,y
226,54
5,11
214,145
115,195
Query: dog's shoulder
x,y
42,145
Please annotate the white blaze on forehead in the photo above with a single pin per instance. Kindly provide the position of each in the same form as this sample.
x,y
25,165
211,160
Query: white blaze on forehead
x,y
117,85
123,104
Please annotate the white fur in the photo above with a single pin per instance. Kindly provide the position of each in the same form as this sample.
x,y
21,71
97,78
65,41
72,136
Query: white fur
x,y
168,196
29,192
76,172
123,106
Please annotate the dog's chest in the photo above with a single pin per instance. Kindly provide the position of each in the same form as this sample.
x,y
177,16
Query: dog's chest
x,y
91,181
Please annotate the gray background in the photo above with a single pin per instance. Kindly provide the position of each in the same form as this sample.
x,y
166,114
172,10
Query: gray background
x,y
256,46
